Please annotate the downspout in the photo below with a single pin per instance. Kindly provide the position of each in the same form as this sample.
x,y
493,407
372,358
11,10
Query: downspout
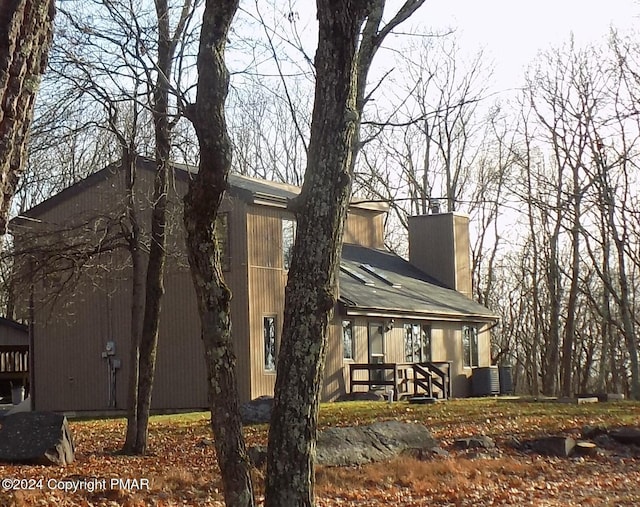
x,y
32,370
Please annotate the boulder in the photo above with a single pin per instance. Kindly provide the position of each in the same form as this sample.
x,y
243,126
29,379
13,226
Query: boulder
x,y
478,442
41,438
257,411
23,406
553,446
375,442
626,435
361,396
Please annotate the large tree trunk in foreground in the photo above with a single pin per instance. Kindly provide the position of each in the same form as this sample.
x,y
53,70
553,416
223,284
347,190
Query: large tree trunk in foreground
x,y
201,206
311,289
25,37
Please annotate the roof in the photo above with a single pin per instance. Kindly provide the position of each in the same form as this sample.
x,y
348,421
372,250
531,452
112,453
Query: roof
x,y
13,334
252,190
377,282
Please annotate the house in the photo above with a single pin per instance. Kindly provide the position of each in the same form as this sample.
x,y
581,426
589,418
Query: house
x,y
391,314
14,358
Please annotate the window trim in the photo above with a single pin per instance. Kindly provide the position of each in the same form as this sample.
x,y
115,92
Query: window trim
x,y
353,343
286,259
265,366
424,337
473,346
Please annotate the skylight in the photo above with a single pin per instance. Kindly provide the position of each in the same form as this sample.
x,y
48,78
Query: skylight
x,y
357,276
381,276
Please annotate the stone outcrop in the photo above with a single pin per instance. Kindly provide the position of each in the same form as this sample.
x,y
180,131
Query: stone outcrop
x,y
257,411
41,438
375,442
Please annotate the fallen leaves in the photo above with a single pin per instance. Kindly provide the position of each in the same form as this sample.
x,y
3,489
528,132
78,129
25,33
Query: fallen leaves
x,y
182,470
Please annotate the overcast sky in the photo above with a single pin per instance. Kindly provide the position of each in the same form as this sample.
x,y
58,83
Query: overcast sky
x,y
513,32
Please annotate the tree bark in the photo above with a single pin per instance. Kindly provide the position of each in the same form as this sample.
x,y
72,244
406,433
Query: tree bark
x,y
201,206
311,290
137,300
154,288
25,37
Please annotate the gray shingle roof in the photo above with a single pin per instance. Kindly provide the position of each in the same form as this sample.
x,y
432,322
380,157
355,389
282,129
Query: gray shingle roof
x,y
375,280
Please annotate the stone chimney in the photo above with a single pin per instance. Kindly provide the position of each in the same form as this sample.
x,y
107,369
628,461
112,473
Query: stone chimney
x,y
439,246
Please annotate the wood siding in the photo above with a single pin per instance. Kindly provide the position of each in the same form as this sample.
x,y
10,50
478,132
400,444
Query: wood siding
x,y
71,333
439,246
364,227
446,345
13,334
267,280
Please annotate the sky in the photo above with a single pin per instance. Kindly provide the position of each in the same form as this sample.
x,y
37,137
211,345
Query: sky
x,y
512,32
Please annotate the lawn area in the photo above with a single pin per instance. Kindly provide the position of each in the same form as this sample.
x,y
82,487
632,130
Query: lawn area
x,y
181,468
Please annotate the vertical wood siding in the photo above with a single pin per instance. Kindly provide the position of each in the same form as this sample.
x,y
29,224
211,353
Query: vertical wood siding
x,y
267,279
364,228
71,335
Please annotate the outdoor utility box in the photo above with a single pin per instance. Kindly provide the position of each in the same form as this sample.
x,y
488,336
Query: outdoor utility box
x,y
485,381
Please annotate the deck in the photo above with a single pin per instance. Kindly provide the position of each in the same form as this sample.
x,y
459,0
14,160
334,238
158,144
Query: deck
x,y
14,363
431,379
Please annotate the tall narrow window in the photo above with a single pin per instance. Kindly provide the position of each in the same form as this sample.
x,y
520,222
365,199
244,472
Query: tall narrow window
x,y
269,325
470,346
288,238
426,343
347,339
221,233
417,343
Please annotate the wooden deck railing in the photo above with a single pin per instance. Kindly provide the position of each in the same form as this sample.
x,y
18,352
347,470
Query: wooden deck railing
x,y
14,362
422,377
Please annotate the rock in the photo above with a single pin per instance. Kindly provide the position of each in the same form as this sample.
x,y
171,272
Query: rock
x,y
590,399
627,435
425,454
591,432
257,411
478,442
361,396
41,438
423,400
553,446
376,442
605,441
23,406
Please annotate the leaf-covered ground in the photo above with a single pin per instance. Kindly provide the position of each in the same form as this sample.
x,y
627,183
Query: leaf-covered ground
x,y
181,468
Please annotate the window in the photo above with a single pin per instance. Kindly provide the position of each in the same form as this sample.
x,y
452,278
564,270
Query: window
x,y
469,346
221,232
347,339
417,343
288,237
269,329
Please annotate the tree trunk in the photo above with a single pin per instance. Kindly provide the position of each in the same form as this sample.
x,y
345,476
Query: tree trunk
x,y
137,302
311,290
25,37
570,324
154,288
201,206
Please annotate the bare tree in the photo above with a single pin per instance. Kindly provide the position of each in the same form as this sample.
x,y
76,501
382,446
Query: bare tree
x,y
342,67
201,206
